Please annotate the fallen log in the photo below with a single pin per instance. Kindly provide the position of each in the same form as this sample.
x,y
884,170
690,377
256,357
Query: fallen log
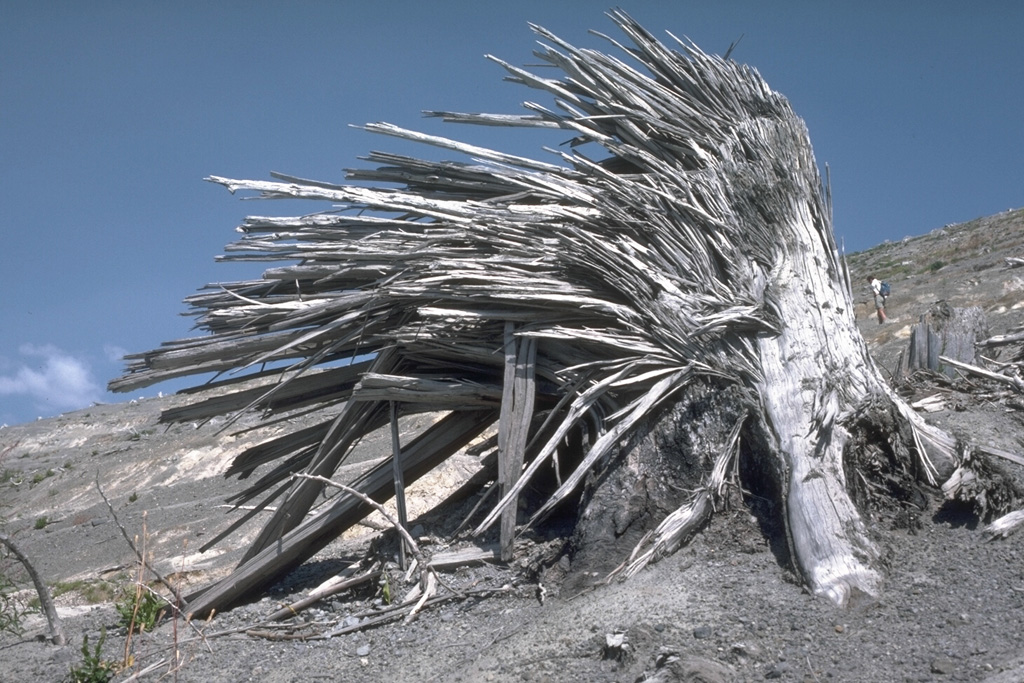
x,y
1015,382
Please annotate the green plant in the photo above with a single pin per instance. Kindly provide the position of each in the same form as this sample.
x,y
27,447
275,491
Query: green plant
x,y
140,608
93,668
93,592
935,265
41,522
39,477
136,435
385,588
134,497
11,610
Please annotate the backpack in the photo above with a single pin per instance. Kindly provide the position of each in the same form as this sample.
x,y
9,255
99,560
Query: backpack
x,y
884,290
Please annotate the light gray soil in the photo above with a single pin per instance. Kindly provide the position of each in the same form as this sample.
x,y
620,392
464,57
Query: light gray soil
x,y
722,609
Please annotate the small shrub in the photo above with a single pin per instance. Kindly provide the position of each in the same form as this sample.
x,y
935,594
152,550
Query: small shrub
x,y
96,592
40,477
93,592
140,609
935,265
93,668
41,522
134,497
81,518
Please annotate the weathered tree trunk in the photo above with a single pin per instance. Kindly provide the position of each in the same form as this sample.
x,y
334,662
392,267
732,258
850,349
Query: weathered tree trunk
x,y
680,302
814,375
57,636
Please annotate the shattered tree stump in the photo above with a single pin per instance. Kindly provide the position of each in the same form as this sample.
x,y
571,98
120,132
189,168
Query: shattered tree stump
x,y
949,332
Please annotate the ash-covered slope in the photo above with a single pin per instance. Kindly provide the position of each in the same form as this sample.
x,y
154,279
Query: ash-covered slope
x,y
952,606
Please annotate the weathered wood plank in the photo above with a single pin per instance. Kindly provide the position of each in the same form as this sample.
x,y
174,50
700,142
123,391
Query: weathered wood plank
x,y
453,559
398,476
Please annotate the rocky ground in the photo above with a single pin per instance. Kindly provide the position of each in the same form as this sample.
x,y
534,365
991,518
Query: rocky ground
x,y
722,609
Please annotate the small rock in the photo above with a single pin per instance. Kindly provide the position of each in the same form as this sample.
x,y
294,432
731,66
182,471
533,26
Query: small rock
x,y
749,650
777,671
840,628
362,650
702,632
943,665
616,646
696,669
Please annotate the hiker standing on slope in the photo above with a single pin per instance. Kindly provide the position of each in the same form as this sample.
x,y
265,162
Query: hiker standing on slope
x,y
876,289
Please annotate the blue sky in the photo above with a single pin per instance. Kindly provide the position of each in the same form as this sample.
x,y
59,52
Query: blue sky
x,y
111,113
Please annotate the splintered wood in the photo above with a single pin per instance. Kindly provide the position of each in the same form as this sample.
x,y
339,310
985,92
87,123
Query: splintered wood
x,y
682,238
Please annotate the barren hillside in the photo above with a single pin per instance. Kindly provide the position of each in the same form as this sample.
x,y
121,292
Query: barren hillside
x,y
952,609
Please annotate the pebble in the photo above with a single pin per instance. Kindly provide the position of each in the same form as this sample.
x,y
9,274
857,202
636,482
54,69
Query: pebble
x,y
362,650
702,632
751,650
943,665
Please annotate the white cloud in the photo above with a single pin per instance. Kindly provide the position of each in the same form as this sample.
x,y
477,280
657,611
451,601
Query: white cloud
x,y
115,354
53,379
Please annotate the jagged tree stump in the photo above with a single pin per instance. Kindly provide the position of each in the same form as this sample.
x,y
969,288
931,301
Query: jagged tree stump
x,y
661,304
946,331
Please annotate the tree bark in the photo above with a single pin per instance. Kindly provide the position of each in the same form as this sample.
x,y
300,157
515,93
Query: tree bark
x,y
668,456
